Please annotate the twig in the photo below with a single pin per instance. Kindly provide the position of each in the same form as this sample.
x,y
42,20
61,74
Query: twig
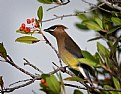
x,y
82,12
60,4
47,41
28,63
95,88
20,86
19,82
99,6
10,61
111,5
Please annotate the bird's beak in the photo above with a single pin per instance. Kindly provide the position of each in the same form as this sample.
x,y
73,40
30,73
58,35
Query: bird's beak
x,y
48,30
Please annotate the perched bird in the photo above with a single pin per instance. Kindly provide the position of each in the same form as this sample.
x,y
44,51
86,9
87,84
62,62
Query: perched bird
x,y
69,51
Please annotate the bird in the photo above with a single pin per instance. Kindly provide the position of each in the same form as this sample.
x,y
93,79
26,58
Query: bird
x,y
68,50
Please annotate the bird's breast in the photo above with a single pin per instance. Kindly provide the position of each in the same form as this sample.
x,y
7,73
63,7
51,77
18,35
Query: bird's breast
x,y
68,58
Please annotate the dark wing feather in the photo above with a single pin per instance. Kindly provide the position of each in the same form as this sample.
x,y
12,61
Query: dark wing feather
x,y
72,47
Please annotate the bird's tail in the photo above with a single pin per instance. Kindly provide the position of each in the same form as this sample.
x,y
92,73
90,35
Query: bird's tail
x,y
86,75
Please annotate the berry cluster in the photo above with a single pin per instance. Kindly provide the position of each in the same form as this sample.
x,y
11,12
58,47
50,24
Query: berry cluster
x,y
29,29
43,82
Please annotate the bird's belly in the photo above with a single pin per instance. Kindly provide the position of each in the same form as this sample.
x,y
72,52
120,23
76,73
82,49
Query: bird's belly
x,y
69,59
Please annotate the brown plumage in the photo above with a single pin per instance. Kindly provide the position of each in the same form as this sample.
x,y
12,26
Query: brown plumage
x,y
69,51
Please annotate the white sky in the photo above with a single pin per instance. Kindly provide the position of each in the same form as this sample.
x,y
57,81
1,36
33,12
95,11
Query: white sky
x,y
15,12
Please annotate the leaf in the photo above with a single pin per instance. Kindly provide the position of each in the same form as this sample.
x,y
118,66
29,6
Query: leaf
x,y
116,20
89,59
52,83
89,62
116,83
104,52
27,39
92,25
80,26
40,13
113,30
99,22
87,55
45,1
76,91
73,79
96,38
3,52
109,87
82,16
114,47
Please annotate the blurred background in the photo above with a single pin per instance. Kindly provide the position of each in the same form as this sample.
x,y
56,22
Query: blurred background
x,y
15,12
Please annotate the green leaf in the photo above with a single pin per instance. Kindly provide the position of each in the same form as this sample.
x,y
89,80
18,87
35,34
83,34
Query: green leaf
x,y
45,1
76,91
109,87
73,79
87,55
80,26
116,20
113,30
89,59
104,52
92,25
27,39
40,13
82,16
89,62
117,84
96,38
99,22
52,83
3,51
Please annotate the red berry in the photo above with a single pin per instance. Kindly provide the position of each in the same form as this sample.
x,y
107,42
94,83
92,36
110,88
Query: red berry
x,y
36,25
43,81
21,28
38,21
32,20
28,21
26,30
23,25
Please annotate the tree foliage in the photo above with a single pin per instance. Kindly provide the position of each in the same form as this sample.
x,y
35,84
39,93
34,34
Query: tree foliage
x,y
105,21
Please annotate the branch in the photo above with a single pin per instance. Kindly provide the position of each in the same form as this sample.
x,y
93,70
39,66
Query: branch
x,y
47,41
95,88
10,61
82,12
99,6
28,63
111,5
60,4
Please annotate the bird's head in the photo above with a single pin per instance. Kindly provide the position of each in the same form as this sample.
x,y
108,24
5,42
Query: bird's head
x,y
56,30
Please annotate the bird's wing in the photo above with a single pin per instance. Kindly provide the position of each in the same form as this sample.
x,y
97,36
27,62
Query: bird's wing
x,y
72,47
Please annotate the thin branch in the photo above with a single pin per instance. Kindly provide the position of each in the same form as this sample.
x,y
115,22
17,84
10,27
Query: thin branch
x,y
60,4
99,6
111,5
19,82
95,88
20,86
47,41
10,61
28,63
82,12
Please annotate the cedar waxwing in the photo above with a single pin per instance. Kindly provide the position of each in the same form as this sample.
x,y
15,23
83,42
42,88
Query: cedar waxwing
x,y
69,51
